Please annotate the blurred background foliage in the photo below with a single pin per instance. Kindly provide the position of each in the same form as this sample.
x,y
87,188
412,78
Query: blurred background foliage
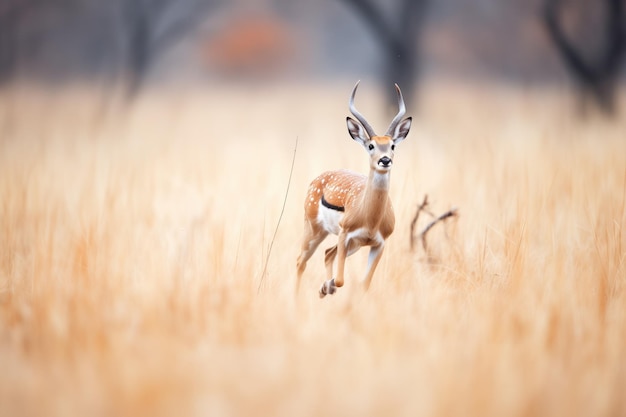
x,y
145,43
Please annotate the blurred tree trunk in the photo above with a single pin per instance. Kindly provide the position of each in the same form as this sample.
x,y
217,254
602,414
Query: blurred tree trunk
x,y
597,74
399,42
135,17
152,27
140,29
11,13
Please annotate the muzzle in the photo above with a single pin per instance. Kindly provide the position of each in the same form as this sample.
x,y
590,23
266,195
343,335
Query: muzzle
x,y
384,162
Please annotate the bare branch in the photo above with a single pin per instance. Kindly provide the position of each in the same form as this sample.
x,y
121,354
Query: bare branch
x,y
420,208
423,208
453,212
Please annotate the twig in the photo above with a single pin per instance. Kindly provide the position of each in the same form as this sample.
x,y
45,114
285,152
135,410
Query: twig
x,y
420,208
450,213
269,252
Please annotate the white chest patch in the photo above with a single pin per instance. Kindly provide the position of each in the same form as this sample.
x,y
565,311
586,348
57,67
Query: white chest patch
x,y
329,218
381,181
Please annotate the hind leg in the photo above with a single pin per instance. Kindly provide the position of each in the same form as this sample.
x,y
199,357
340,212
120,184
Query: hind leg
x,y
313,236
329,258
330,286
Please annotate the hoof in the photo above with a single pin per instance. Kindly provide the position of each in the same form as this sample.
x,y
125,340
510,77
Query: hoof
x,y
328,288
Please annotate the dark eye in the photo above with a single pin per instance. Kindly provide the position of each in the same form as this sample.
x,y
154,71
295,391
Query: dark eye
x,y
393,147
371,147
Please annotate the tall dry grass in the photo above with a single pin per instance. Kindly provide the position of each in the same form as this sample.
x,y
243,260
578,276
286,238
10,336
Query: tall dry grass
x,y
134,240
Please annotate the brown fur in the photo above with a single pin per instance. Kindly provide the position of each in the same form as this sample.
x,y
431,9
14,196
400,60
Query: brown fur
x,y
366,207
364,215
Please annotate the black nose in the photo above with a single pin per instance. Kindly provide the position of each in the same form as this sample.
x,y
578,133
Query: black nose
x,y
384,161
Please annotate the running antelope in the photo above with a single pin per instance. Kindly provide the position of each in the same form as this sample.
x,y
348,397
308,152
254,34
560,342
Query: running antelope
x,y
355,207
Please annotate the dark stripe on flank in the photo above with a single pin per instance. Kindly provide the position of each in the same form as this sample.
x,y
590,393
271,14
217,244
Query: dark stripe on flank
x,y
331,206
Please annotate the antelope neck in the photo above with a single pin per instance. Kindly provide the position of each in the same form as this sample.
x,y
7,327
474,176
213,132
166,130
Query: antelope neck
x,y
375,196
378,180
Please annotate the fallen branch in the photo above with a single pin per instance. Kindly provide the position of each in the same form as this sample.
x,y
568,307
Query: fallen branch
x,y
450,213
420,208
423,207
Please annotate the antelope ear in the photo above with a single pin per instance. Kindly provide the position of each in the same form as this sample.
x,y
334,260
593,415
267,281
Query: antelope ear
x,y
356,131
402,130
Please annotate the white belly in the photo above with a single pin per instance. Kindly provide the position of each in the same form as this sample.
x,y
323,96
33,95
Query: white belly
x,y
329,219
363,237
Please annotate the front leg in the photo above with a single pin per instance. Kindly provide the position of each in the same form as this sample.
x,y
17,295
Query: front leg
x,y
341,258
376,252
330,286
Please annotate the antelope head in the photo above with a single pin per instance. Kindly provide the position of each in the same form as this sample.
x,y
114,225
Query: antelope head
x,y
380,148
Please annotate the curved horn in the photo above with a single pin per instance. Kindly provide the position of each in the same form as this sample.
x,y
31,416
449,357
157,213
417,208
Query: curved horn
x,y
401,111
358,115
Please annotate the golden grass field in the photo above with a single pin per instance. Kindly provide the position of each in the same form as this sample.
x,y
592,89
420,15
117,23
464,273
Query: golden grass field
x,y
134,240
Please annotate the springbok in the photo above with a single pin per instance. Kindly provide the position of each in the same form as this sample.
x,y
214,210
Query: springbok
x,y
355,207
